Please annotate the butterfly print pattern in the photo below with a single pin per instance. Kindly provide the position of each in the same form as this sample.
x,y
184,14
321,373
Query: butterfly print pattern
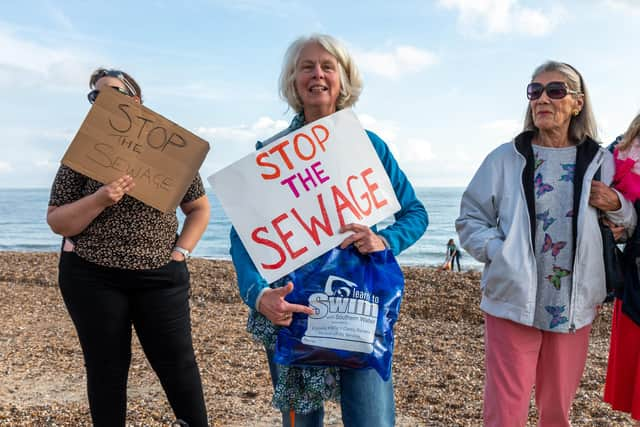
x,y
540,186
555,247
570,169
556,277
555,311
546,219
538,162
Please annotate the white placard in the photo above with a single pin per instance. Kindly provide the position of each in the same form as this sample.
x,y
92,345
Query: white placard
x,y
288,200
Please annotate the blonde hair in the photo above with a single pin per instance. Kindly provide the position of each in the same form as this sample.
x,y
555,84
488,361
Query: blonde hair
x,y
584,124
350,80
632,132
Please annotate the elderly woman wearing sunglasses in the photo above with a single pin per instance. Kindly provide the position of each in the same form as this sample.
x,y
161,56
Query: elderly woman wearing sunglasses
x,y
122,265
530,214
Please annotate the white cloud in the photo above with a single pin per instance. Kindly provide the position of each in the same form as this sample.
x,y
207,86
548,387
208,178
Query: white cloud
x,y
632,6
279,8
508,127
405,149
58,17
396,61
385,129
34,155
533,22
263,128
26,63
229,144
488,17
418,150
46,164
5,167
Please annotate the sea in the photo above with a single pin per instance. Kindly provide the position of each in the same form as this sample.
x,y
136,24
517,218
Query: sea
x,y
23,227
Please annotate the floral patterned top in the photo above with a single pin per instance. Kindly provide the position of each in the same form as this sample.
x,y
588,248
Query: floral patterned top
x,y
129,234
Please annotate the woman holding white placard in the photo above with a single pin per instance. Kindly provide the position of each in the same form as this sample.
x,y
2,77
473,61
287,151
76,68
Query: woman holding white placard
x,y
319,78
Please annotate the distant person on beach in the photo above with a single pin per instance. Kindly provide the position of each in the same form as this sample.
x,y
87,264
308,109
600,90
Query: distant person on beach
x,y
123,264
319,78
453,254
622,386
528,217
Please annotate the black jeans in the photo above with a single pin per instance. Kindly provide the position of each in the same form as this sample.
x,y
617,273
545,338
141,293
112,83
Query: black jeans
x,y
104,303
456,258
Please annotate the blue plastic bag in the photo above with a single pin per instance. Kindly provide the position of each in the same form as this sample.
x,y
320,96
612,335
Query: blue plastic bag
x,y
357,300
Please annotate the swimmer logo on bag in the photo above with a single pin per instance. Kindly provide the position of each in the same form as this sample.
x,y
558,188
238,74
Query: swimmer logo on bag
x,y
356,299
345,317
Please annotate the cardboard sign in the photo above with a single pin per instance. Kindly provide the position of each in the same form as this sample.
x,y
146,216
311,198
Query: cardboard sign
x,y
120,136
288,200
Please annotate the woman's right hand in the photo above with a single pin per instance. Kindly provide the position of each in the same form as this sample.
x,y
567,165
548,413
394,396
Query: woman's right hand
x,y
112,193
274,307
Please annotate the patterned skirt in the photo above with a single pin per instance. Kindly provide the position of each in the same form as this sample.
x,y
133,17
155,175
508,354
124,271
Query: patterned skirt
x,y
302,390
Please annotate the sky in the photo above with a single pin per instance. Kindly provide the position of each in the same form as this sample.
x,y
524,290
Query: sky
x,y
444,80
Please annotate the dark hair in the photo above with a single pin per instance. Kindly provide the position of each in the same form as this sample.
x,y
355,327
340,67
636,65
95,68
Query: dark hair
x,y
130,83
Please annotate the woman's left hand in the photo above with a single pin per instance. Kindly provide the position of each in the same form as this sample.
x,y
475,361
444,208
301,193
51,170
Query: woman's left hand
x,y
365,240
603,197
617,230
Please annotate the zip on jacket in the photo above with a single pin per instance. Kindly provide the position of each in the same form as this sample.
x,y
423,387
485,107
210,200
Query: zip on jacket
x,y
587,151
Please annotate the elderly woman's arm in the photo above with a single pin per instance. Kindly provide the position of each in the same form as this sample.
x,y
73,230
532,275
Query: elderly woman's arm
x,y
197,213
616,207
477,225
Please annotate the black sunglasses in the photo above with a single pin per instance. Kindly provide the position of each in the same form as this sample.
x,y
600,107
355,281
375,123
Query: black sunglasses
x,y
555,90
94,93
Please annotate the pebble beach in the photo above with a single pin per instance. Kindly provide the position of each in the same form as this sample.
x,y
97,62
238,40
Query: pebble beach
x,y
437,367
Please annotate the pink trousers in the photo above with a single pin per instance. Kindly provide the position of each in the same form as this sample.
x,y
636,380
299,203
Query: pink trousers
x,y
517,357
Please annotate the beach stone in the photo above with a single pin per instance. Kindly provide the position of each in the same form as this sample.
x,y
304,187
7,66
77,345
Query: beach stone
x,y
438,360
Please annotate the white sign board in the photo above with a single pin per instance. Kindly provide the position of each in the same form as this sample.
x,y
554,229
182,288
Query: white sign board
x,y
288,200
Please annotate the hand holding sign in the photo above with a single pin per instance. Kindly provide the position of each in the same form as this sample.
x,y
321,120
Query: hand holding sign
x,y
111,193
305,187
273,306
365,240
121,137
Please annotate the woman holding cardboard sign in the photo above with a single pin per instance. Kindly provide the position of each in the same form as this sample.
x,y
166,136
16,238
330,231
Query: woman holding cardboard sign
x,y
319,78
123,264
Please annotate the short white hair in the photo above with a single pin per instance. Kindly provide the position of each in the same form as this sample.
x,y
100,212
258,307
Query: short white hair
x,y
350,80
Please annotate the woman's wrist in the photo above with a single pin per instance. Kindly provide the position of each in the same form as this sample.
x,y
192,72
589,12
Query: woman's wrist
x,y
180,254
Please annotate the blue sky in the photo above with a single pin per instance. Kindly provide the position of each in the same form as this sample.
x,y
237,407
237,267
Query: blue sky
x,y
444,80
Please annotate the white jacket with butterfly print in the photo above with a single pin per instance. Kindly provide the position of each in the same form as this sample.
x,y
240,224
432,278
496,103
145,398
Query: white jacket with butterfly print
x,y
495,227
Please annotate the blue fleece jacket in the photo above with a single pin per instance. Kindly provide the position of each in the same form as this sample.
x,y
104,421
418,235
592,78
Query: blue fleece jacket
x,y
410,224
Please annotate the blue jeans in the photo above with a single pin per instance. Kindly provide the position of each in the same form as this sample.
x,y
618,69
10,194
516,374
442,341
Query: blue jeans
x,y
365,399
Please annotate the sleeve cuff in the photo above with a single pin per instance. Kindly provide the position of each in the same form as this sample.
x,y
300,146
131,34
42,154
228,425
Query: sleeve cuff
x,y
257,304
